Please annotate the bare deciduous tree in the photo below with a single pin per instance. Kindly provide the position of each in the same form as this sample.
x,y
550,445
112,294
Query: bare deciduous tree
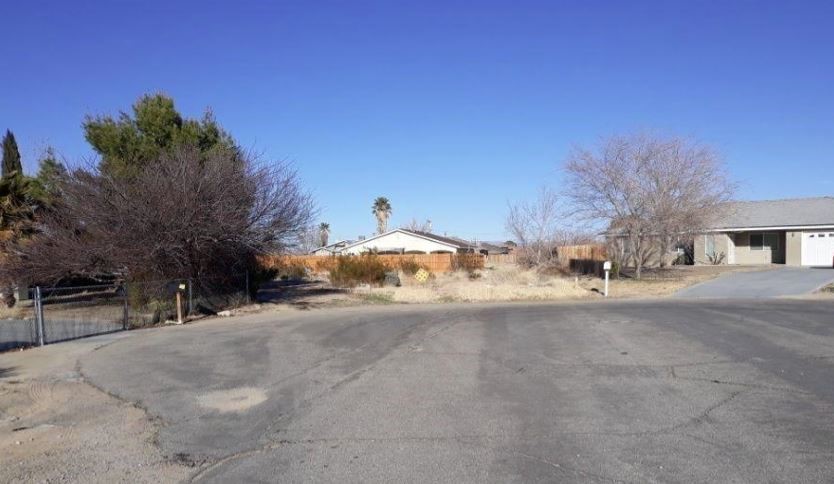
x,y
416,226
307,240
649,190
534,226
184,214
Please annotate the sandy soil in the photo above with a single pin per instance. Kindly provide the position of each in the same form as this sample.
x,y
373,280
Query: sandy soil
x,y
826,293
54,427
234,400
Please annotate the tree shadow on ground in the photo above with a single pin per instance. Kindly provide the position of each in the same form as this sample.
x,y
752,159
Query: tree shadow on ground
x,y
7,372
300,294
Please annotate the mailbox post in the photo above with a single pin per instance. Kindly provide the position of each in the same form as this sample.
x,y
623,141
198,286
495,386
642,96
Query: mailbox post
x,y
180,289
606,266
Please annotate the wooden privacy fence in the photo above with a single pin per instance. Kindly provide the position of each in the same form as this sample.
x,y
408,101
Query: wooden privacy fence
x,y
323,263
583,259
502,259
574,256
582,252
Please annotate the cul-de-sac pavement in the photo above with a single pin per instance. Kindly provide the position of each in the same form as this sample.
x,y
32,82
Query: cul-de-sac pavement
x,y
621,391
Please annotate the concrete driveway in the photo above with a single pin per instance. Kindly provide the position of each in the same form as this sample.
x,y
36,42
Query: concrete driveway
x,y
670,391
782,281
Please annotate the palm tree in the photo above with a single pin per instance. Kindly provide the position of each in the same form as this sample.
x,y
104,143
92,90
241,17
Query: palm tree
x,y
324,233
382,211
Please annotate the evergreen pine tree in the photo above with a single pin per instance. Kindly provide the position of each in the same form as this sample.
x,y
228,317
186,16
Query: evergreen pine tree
x,y
11,155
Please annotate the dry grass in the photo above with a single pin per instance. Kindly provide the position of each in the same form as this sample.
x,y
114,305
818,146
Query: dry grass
x,y
19,311
499,283
662,282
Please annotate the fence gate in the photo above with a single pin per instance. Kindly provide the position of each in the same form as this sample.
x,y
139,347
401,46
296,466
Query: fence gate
x,y
66,313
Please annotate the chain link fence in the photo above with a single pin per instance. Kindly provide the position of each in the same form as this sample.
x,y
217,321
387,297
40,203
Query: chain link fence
x,y
18,328
57,314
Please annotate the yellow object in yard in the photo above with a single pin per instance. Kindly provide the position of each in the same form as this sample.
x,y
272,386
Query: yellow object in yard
x,y
421,275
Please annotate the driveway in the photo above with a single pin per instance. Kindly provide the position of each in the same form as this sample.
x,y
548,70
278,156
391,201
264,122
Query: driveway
x,y
670,391
782,281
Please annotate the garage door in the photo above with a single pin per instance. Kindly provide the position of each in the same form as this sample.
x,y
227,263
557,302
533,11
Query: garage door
x,y
817,248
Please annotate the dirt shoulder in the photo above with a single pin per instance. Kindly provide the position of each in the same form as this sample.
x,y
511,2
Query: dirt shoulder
x,y
824,293
55,427
663,282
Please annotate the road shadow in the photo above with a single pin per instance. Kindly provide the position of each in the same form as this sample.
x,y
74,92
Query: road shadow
x,y
300,294
7,372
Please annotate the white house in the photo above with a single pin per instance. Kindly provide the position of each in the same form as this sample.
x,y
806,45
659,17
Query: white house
x,y
403,241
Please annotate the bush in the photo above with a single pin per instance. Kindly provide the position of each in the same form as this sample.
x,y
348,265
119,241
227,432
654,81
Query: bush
x,y
716,258
411,266
467,262
292,271
326,264
364,269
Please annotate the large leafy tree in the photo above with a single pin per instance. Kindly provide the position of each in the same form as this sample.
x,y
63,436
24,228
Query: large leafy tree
x,y
11,156
184,214
171,198
382,211
128,142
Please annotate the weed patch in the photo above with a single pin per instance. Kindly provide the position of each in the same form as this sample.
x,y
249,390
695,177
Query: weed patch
x,y
352,271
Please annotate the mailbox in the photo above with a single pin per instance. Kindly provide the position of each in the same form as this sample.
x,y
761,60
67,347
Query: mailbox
x,y
606,265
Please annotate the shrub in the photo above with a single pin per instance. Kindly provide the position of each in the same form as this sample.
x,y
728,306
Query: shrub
x,y
363,269
411,266
467,262
326,264
293,271
716,258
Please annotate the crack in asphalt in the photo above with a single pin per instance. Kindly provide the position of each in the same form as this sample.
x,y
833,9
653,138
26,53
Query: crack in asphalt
x,y
400,343
466,439
353,376
562,468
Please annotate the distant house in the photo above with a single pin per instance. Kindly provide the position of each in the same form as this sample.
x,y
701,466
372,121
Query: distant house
x,y
493,248
407,241
798,232
331,249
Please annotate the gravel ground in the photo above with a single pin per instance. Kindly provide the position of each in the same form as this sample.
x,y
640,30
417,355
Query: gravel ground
x,y
56,427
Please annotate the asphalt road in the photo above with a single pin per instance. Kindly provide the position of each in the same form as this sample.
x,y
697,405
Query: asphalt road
x,y
672,391
782,281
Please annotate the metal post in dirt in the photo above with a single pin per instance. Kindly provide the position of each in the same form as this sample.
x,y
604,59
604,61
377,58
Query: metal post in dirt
x,y
607,267
39,315
190,299
248,296
179,307
125,314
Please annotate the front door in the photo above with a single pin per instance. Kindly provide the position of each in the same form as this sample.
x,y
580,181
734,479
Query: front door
x,y
731,248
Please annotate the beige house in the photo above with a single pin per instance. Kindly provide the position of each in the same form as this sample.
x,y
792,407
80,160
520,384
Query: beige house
x,y
798,232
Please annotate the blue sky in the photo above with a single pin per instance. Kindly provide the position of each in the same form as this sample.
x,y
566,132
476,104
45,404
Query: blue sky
x,y
448,108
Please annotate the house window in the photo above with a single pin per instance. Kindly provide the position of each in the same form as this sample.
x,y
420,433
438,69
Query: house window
x,y
764,241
